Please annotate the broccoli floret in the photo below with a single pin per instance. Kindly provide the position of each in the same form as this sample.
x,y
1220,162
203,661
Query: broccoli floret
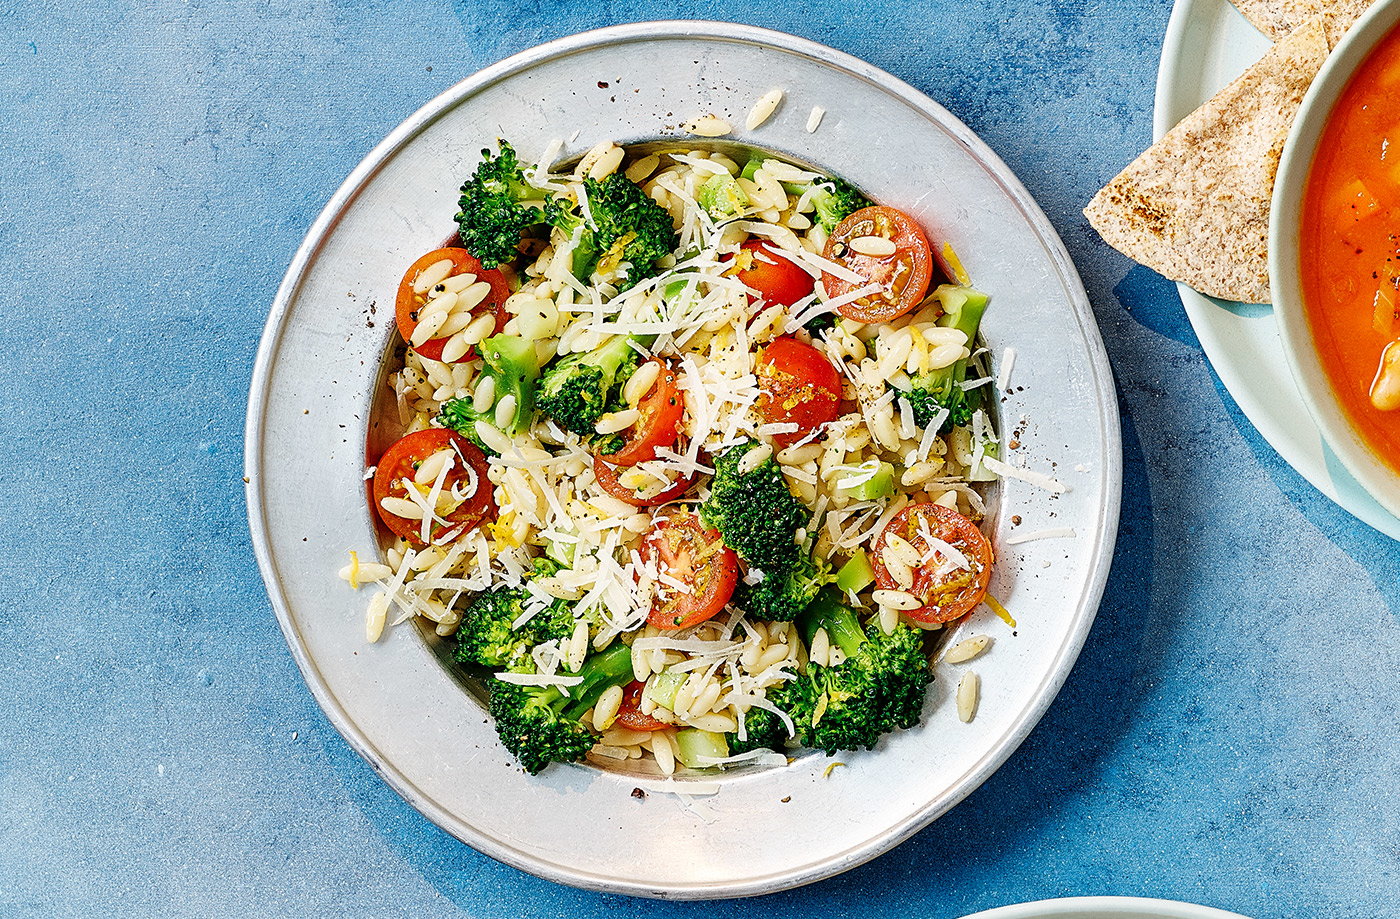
x,y
630,227
497,207
879,687
763,730
754,512
578,388
623,224
486,638
939,393
722,197
512,363
541,725
835,200
784,593
759,518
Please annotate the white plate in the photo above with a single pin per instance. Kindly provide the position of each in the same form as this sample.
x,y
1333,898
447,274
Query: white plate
x,y
1208,44
408,715
1106,908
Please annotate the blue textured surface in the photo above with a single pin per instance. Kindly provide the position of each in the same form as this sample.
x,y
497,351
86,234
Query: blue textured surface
x,y
1227,737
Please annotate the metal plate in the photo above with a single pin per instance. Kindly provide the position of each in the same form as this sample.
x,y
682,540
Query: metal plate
x,y
1208,44
409,717
1106,908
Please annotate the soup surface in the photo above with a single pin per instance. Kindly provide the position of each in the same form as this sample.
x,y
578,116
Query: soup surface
x,y
1351,250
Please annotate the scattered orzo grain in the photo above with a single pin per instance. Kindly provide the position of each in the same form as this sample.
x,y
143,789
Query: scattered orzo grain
x,y
968,649
969,688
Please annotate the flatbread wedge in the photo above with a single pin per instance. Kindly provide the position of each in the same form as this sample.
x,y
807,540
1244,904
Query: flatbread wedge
x,y
1277,18
1340,16
1195,205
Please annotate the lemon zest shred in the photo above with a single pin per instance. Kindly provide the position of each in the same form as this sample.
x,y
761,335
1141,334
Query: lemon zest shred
x,y
921,348
830,769
1001,611
955,263
502,532
354,570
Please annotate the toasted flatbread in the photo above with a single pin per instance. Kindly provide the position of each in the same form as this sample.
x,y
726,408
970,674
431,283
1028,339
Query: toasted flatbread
x,y
1195,205
1340,16
1277,18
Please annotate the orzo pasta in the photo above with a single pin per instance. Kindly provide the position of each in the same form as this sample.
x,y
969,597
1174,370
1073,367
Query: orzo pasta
x,y
690,457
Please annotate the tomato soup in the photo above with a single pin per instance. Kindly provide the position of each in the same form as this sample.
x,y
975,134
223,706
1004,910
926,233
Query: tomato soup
x,y
1350,250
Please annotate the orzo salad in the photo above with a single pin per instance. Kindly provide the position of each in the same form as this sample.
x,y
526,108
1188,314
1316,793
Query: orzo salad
x,y
692,452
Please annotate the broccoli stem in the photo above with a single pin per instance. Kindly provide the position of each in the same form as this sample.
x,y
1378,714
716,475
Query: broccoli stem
x,y
962,310
578,388
828,611
600,673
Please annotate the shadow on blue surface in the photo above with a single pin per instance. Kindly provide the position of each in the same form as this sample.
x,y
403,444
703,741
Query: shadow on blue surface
x,y
1368,547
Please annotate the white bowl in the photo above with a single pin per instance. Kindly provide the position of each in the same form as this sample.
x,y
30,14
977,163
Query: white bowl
x,y
1106,908
1379,479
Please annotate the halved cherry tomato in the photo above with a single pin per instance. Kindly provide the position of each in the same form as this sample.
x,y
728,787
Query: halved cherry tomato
x,y
466,497
948,592
630,716
903,275
410,302
777,279
662,409
607,478
696,557
797,385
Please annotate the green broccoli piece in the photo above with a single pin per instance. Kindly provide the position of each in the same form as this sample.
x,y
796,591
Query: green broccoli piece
x,y
630,228
835,200
938,394
541,725
786,591
722,197
879,687
513,364
763,730
486,637
623,225
755,513
578,388
759,518
498,207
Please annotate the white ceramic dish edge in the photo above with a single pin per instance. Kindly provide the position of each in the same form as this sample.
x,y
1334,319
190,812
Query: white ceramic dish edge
x,y
1105,908
1285,269
1207,43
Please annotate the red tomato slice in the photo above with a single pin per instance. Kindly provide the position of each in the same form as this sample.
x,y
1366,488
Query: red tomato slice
x,y
662,409
777,279
797,385
903,275
948,592
607,478
471,492
409,302
698,558
630,715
